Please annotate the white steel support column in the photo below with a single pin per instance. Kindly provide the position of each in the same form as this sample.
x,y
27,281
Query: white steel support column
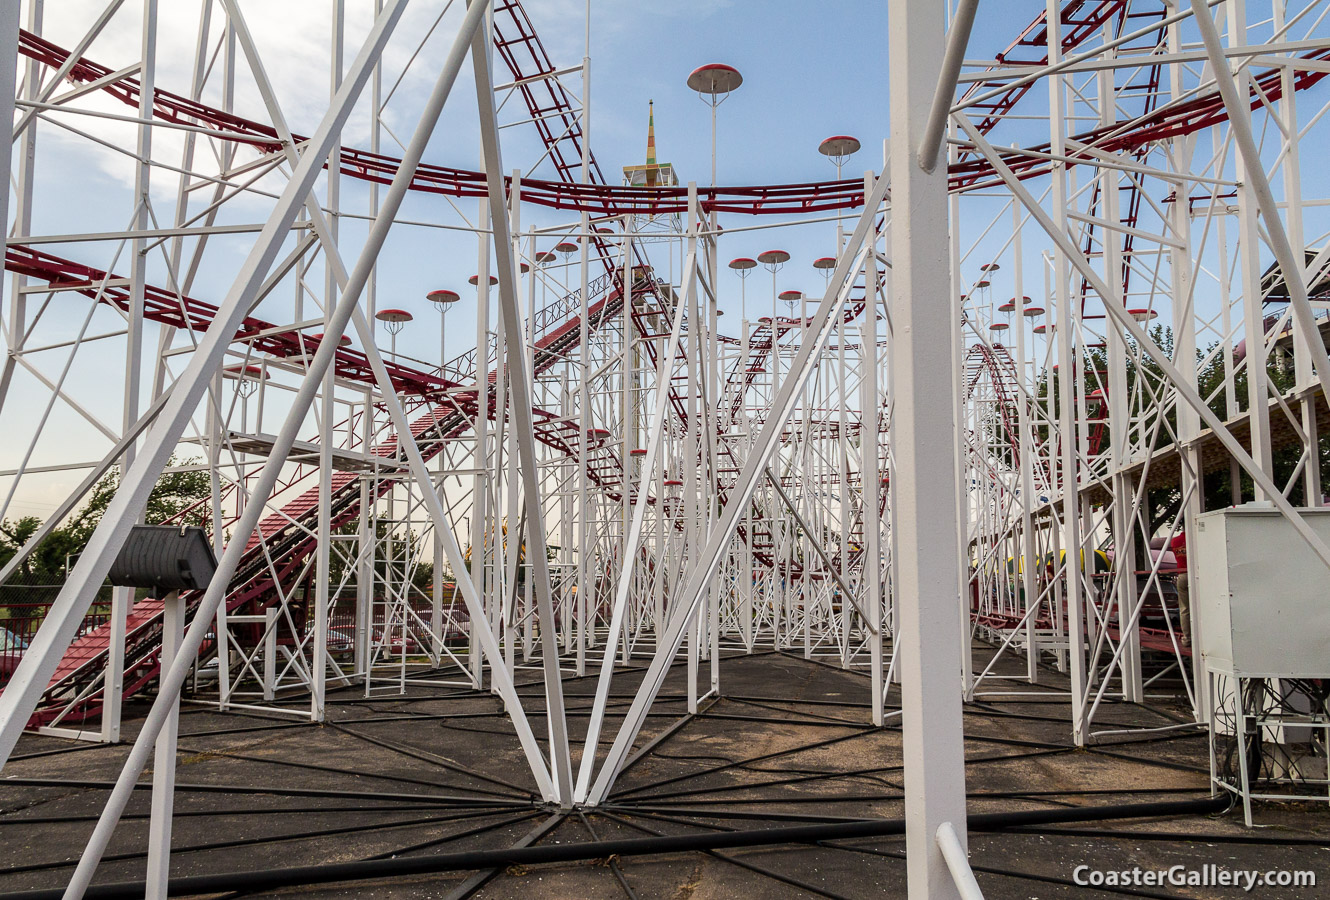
x,y
480,457
693,535
23,185
585,583
327,420
1119,417
515,511
711,397
365,555
870,467
123,598
480,490
9,22
871,478
522,425
924,436
628,424
164,760
1293,196
1249,271
1066,387
585,424
1025,553
963,576
1184,351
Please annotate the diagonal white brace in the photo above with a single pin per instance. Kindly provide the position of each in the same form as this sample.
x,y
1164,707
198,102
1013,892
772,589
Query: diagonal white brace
x,y
1239,117
655,433
1115,309
764,445
821,551
523,425
452,549
173,678
62,622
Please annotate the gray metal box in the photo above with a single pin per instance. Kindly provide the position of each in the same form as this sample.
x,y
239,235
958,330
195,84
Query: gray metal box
x,y
1262,595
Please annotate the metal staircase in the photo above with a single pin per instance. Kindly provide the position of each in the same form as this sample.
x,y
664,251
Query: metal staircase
x,y
284,540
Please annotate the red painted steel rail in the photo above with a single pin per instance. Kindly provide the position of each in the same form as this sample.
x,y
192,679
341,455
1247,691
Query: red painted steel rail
x,y
600,199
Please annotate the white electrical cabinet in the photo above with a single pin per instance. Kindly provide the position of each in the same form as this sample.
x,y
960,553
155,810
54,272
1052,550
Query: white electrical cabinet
x,y
1262,595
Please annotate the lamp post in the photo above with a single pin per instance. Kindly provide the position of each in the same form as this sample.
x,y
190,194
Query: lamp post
x,y
713,83
443,301
394,320
825,265
790,298
773,261
742,267
247,379
838,148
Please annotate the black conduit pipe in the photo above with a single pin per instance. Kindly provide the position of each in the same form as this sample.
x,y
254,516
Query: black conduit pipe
x,y
267,879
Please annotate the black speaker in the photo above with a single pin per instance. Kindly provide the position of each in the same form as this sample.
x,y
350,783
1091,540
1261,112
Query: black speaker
x,y
165,558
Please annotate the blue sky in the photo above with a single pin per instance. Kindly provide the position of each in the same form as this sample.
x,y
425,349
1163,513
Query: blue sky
x,y
810,71
795,94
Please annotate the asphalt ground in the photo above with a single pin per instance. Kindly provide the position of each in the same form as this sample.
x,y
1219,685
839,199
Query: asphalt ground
x,y
788,742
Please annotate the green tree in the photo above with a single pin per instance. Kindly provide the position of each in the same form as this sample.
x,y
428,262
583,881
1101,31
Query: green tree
x,y
402,546
179,497
1162,504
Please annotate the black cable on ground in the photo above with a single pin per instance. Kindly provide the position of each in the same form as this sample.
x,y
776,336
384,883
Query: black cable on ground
x,y
433,842
470,832
1177,735
793,800
974,708
1174,836
762,815
554,853
58,751
247,729
817,716
1079,792
479,879
1012,873
1145,760
766,815
855,704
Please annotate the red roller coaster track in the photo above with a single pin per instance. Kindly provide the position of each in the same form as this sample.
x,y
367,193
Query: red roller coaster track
x,y
552,110
600,199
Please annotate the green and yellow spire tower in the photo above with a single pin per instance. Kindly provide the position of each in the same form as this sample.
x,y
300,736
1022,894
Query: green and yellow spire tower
x,y
653,169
